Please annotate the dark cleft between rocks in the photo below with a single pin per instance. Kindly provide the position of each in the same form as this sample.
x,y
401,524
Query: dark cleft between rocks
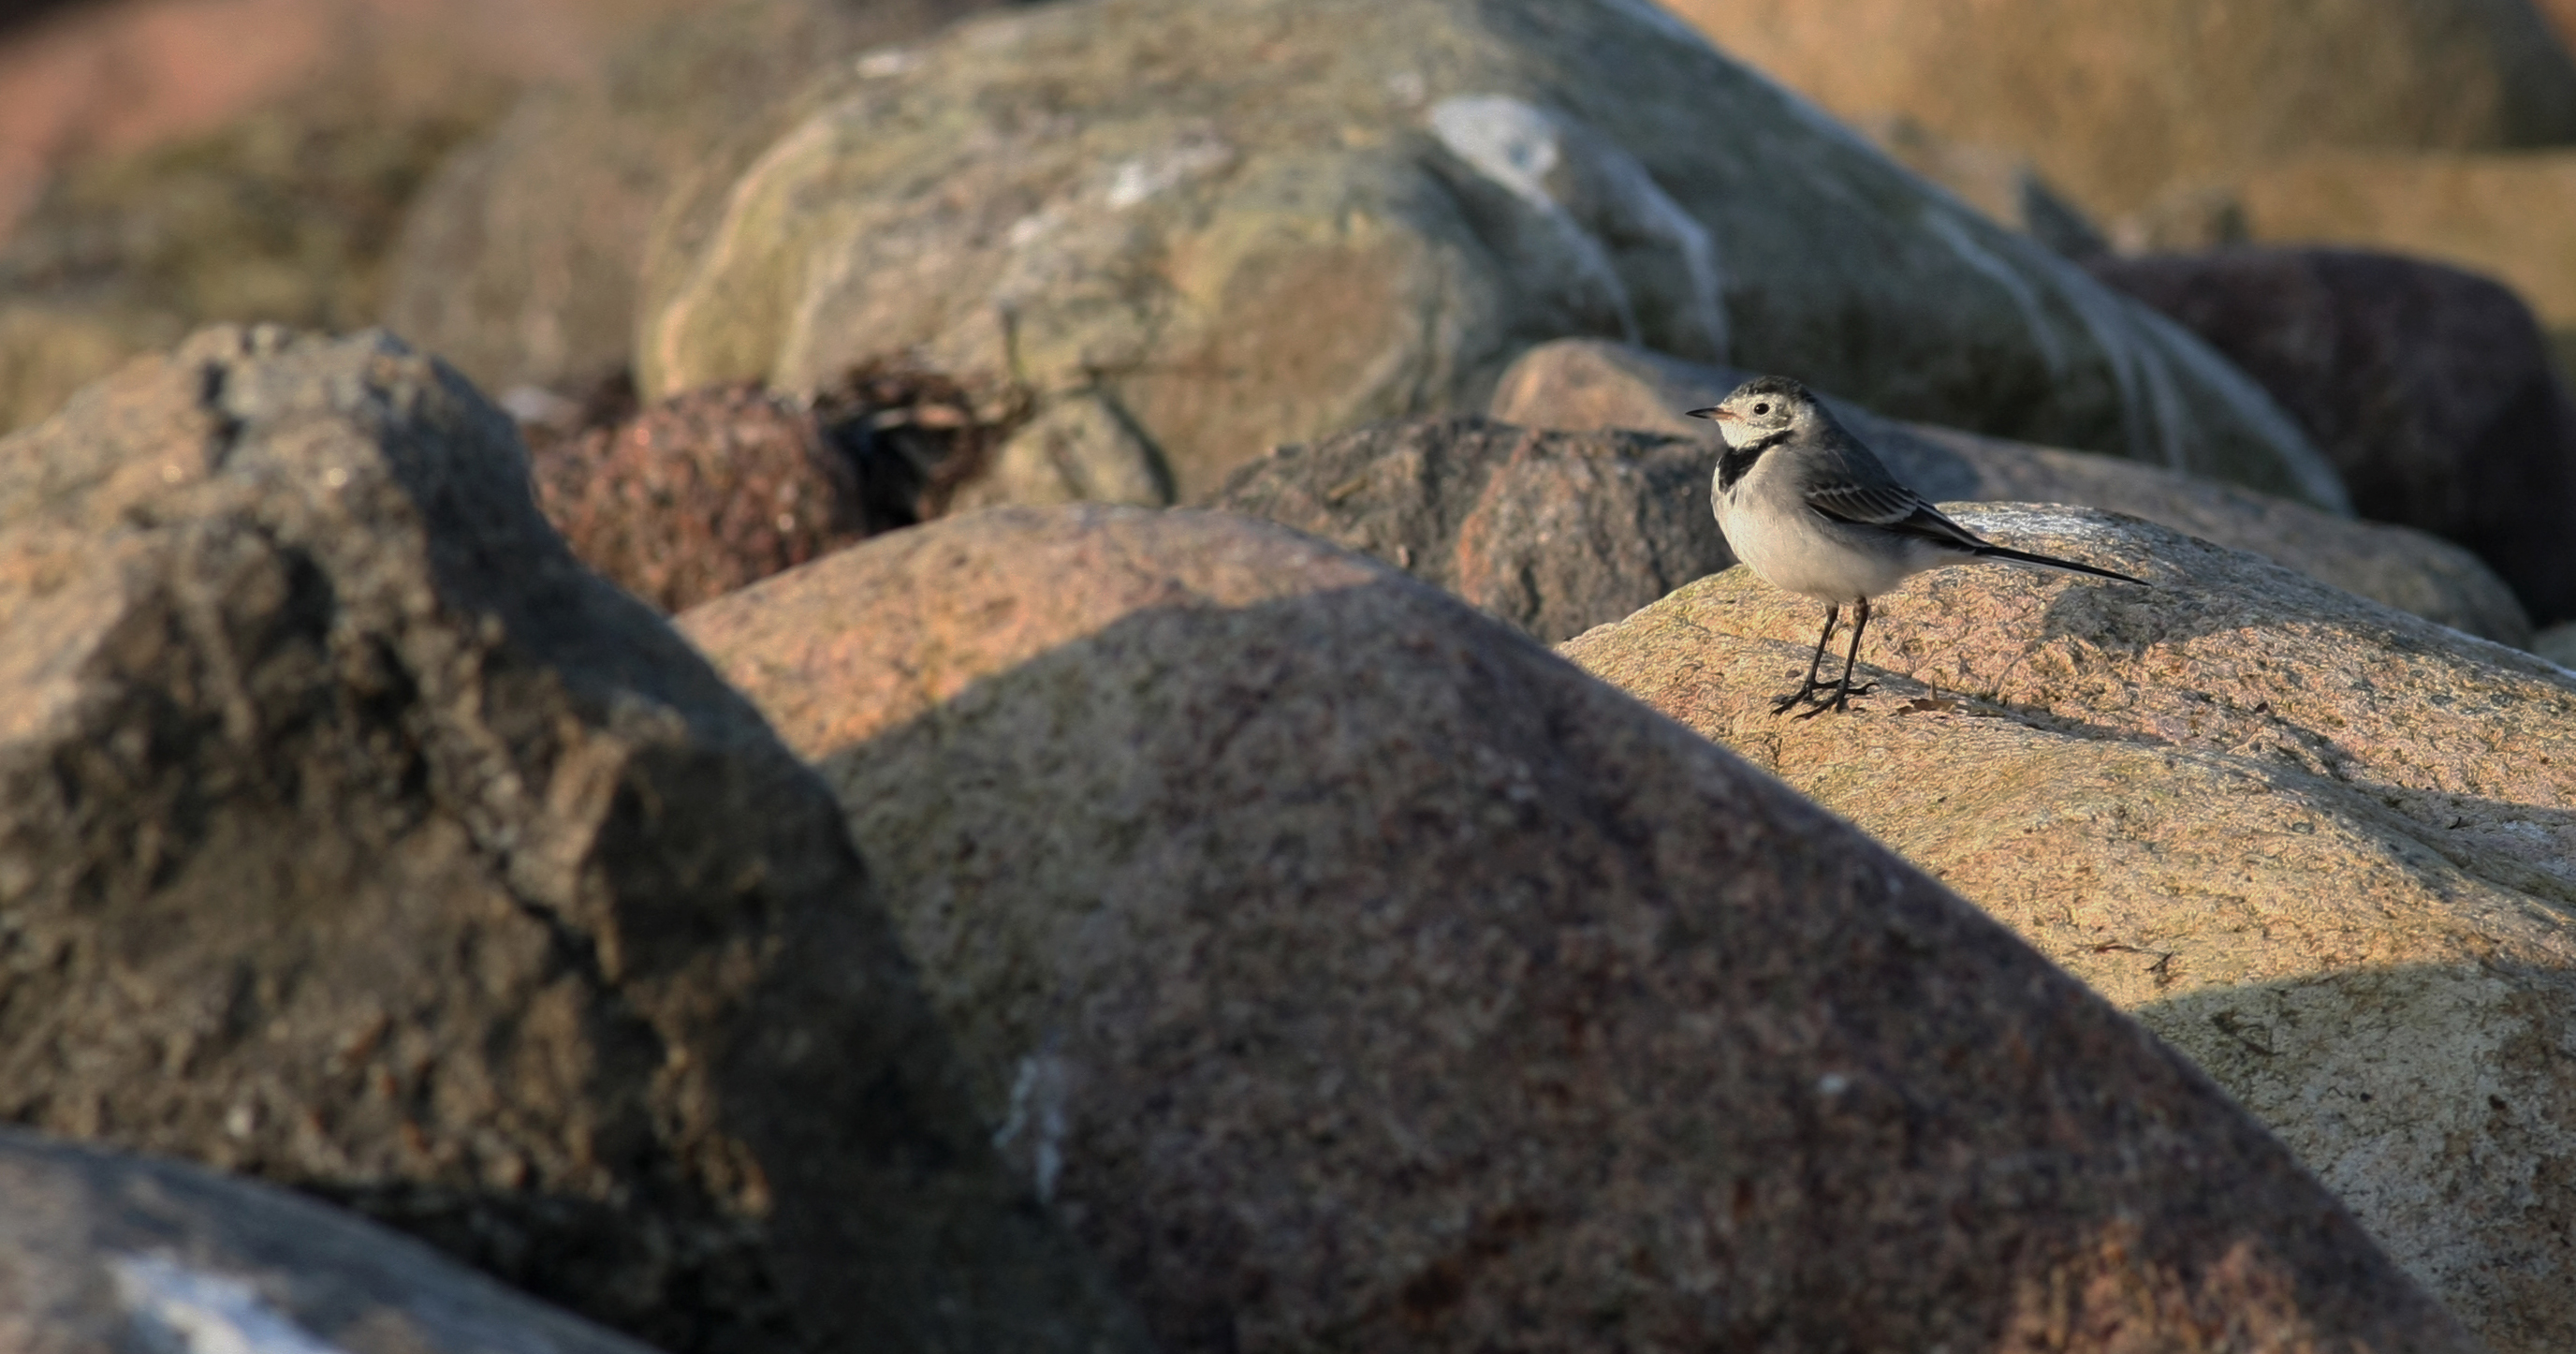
x,y
719,487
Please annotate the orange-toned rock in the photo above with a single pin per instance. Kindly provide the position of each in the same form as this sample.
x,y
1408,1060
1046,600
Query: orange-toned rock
x,y
1348,970
115,76
2490,213
2326,849
182,162
2119,99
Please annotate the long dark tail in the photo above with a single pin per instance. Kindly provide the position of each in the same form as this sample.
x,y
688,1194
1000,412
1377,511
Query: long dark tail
x,y
2051,562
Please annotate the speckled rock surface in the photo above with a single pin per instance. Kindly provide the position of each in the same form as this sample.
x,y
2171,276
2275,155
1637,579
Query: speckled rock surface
x,y
1584,383
699,495
1354,974
102,1253
1262,221
354,837
2326,849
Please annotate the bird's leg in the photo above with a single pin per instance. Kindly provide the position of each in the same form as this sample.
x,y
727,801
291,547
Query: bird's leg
x,y
1833,613
1844,690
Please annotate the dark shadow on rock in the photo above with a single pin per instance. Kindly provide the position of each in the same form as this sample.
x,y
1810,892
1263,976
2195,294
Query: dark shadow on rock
x,y
1357,973
353,837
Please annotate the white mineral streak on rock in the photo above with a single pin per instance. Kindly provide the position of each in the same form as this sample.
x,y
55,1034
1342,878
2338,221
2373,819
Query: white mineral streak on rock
x,y
1035,226
182,1309
1038,1111
1519,146
1146,175
886,62
1647,206
1952,231
1587,186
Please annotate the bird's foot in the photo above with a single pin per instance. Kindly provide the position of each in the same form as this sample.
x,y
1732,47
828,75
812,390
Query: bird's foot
x,y
1798,697
1840,701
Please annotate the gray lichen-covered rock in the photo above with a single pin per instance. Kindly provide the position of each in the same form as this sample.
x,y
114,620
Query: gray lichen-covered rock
x,y
354,837
2326,849
1353,974
1579,384
1259,221
100,1251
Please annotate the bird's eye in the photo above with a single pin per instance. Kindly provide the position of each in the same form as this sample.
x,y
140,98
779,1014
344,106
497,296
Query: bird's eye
x,y
1762,408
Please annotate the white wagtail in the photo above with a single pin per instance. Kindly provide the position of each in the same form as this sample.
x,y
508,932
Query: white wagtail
x,y
1812,511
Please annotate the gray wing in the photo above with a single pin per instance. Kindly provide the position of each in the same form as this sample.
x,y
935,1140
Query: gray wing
x,y
1848,483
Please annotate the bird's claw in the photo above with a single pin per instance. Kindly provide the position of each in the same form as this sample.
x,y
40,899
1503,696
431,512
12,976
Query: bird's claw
x,y
1839,701
1805,693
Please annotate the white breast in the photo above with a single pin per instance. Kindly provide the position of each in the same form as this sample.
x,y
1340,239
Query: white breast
x,y
1796,549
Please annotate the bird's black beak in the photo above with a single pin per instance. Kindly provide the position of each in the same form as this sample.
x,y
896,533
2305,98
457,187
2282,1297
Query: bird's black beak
x,y
1713,414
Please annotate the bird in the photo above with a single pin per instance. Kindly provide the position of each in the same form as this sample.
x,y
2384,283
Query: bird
x,y
1811,510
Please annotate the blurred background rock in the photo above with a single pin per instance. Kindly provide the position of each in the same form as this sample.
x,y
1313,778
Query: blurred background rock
x,y
2436,128
164,163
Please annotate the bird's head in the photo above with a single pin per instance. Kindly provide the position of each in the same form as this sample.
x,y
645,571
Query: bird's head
x,y
1762,411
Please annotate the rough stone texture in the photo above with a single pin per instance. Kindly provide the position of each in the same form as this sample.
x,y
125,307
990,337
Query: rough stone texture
x,y
1259,221
699,495
2326,849
1555,532
1587,384
354,837
1355,975
711,489
284,215
1079,449
2431,389
102,1253
2120,99
519,262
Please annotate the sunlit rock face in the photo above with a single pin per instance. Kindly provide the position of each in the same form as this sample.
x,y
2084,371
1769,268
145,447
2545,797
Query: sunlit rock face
x,y
1256,221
